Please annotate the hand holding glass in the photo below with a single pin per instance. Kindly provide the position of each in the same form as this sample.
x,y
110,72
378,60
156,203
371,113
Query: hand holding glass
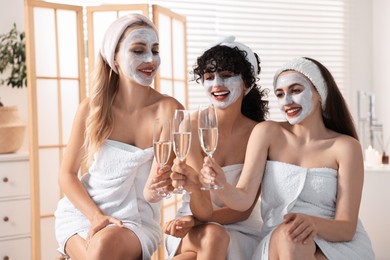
x,y
162,147
181,128
208,135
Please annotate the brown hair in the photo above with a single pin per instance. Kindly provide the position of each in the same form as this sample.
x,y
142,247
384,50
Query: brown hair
x,y
336,115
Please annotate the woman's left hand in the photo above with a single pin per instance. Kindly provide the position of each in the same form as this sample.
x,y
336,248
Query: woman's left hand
x,y
162,179
302,227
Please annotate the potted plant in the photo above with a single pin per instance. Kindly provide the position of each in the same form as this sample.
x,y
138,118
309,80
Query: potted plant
x,y
12,73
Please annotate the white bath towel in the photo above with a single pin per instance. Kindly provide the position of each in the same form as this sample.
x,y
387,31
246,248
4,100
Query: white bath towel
x,y
244,235
115,181
313,191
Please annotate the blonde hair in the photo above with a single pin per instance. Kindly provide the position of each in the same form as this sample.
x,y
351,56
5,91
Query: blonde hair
x,y
104,86
100,123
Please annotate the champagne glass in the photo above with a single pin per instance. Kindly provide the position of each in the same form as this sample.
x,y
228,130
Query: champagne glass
x,y
208,135
181,128
162,147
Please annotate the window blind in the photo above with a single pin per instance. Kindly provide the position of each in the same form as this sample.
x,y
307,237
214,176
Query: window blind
x,y
277,30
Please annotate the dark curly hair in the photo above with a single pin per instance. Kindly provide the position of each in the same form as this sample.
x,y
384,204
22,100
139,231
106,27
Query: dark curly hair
x,y
224,58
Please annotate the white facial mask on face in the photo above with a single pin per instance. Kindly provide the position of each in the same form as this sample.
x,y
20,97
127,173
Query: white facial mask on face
x,y
130,60
234,84
304,99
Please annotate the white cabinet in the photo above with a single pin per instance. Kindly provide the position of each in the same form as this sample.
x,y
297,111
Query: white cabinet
x,y
375,209
15,213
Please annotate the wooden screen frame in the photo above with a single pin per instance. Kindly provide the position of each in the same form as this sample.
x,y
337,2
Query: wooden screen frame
x,y
32,78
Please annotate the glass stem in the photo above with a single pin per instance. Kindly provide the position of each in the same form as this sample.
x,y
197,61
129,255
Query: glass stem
x,y
212,179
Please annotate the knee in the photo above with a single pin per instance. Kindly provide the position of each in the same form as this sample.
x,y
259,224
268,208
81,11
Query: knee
x,y
101,243
113,243
215,235
281,241
280,234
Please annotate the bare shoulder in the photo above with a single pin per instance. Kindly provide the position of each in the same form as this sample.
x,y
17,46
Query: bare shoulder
x,y
266,132
347,143
169,104
347,148
268,127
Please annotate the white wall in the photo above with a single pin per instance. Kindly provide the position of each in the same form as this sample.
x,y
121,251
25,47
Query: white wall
x,y
370,57
381,62
13,12
360,51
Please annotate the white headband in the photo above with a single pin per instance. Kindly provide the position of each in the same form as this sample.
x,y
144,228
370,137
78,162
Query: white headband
x,y
229,41
114,33
311,71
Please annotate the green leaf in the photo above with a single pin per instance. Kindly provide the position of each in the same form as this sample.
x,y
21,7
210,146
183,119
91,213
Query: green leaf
x,y
13,58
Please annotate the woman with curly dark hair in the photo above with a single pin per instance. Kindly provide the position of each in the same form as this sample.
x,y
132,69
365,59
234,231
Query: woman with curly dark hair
x,y
228,72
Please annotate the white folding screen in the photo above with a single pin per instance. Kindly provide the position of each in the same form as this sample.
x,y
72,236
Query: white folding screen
x,y
56,84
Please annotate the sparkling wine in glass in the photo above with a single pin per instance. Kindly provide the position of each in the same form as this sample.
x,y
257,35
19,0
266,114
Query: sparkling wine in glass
x,y
162,147
181,129
208,135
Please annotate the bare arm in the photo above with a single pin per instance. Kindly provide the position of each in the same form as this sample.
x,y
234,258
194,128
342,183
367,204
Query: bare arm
x,y
242,196
350,182
226,215
74,153
350,185
200,200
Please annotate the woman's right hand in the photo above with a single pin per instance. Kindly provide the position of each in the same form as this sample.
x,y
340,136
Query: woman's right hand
x,y
185,175
212,171
100,221
179,227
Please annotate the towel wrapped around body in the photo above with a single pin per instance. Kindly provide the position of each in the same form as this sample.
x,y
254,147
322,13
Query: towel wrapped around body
x,y
289,188
244,235
115,182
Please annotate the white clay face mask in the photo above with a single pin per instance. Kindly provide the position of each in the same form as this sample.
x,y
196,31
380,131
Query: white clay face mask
x,y
234,85
302,99
138,60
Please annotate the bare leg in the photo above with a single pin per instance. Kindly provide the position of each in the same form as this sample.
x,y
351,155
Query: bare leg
x,y
76,248
281,247
208,241
109,243
319,255
185,256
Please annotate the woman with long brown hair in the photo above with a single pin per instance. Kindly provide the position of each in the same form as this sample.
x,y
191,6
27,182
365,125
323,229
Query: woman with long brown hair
x,y
310,169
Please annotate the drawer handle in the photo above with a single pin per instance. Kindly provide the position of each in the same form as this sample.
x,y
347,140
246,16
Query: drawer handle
x,y
6,219
5,179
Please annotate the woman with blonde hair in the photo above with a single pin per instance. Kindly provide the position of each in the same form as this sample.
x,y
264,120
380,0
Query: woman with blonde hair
x,y
104,214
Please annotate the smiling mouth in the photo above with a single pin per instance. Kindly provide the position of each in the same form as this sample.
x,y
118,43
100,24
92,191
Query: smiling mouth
x,y
291,112
220,94
147,71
